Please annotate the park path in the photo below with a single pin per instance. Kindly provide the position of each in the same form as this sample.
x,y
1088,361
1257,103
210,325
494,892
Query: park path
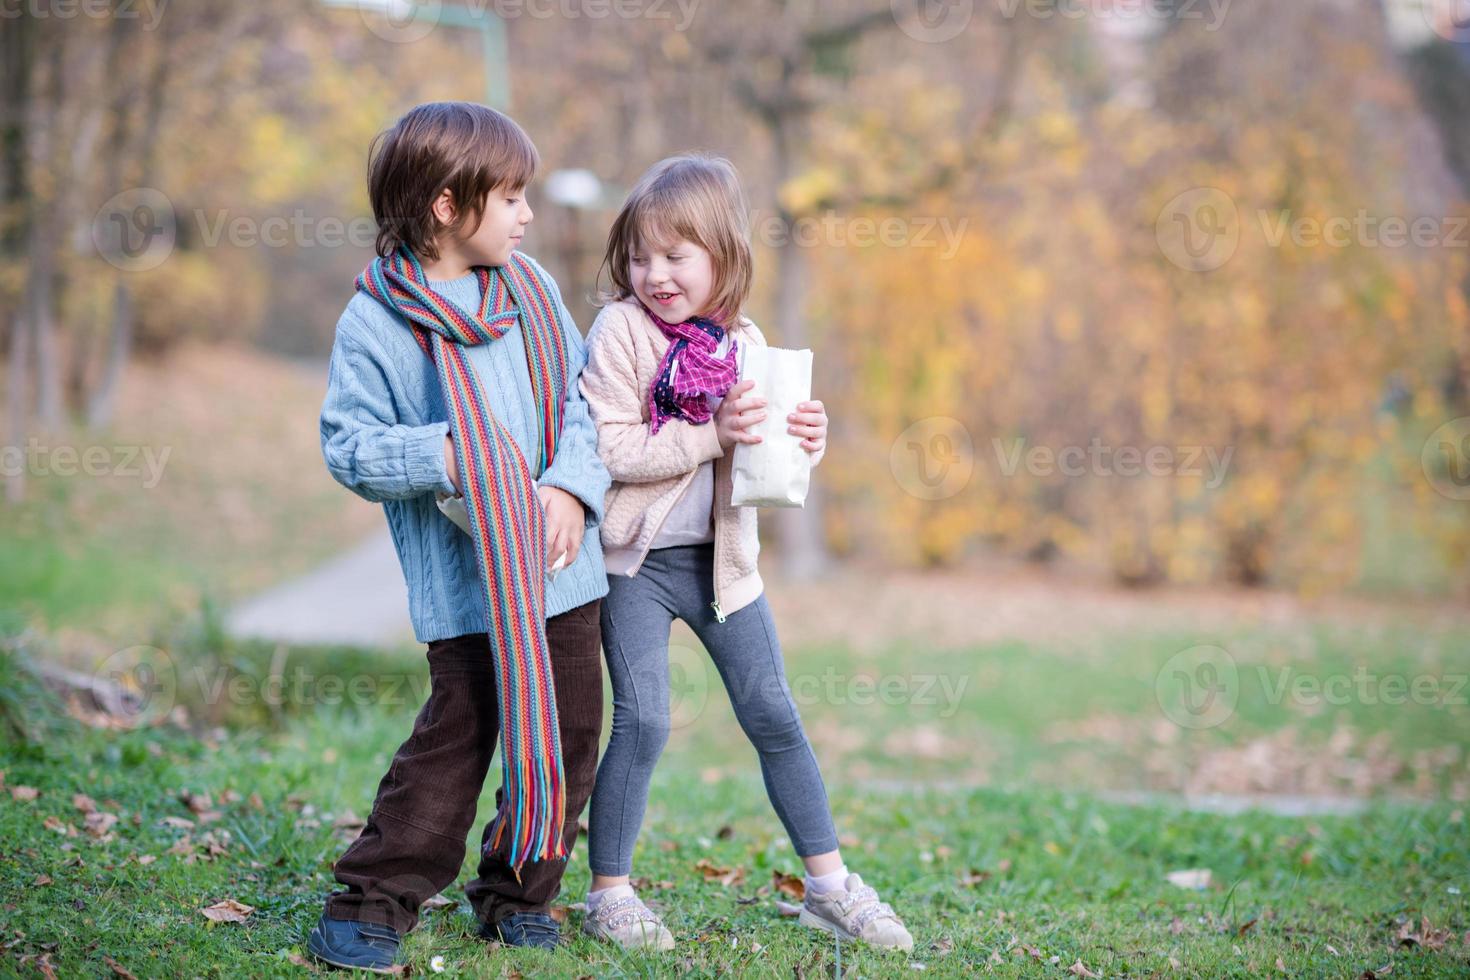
x,y
357,598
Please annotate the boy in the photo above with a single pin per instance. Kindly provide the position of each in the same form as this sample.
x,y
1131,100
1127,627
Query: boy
x,y
455,369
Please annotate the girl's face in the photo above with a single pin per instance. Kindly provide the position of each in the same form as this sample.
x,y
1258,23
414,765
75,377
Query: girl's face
x,y
675,281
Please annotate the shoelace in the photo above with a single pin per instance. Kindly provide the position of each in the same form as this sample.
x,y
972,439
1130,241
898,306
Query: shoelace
x,y
864,899
618,912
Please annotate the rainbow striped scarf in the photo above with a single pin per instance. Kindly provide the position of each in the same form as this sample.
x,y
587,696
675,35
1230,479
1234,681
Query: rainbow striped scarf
x,y
505,513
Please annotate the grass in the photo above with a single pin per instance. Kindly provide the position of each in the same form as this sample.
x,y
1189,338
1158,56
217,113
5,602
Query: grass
x,y
1021,880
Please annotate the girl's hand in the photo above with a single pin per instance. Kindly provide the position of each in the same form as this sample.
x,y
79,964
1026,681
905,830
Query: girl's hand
x,y
810,422
736,414
566,519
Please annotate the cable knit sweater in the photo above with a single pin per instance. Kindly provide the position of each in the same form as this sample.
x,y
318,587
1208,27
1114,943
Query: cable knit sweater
x,y
650,472
383,425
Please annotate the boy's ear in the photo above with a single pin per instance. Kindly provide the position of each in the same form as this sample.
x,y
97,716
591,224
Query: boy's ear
x,y
444,209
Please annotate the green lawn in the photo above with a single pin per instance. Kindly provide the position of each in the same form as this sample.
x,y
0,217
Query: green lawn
x,y
1022,877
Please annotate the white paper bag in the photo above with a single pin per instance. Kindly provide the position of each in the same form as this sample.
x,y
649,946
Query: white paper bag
x,y
776,471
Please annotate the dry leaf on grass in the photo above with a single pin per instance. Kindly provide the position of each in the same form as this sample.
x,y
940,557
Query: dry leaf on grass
x,y
99,822
1078,970
24,793
228,911
725,876
1423,935
119,969
786,908
83,802
789,885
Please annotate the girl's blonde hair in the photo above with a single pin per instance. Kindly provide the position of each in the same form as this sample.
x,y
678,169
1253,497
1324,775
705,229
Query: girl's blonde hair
x,y
691,197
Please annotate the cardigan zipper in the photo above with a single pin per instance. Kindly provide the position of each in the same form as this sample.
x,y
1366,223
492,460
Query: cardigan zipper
x,y
715,520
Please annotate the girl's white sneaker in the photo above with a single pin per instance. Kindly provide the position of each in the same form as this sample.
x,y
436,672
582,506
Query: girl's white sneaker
x,y
854,912
629,923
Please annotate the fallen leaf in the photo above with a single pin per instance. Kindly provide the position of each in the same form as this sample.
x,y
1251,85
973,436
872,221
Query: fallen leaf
x,y
23,793
1176,926
1245,928
725,876
439,901
974,877
1077,969
789,885
99,822
786,908
1197,879
83,802
42,880
558,913
180,823
198,802
146,858
227,911
725,832
119,969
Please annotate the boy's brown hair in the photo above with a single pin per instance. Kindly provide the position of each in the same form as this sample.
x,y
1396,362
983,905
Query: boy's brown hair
x,y
468,148
694,197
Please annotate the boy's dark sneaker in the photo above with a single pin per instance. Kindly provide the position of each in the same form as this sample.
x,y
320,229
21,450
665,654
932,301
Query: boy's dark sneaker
x,y
354,945
534,929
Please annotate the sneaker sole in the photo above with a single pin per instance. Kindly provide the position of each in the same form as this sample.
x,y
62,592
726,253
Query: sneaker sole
x,y
663,943
817,922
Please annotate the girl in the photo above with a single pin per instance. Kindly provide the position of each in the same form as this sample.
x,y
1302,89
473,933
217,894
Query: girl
x,y
660,384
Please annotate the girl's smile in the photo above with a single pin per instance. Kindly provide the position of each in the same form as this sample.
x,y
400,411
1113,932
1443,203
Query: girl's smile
x,y
677,280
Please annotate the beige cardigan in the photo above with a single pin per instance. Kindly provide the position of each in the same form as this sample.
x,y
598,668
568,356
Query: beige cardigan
x,y
650,472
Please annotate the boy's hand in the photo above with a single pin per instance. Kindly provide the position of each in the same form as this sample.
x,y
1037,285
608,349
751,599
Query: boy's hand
x,y
810,422
566,520
736,414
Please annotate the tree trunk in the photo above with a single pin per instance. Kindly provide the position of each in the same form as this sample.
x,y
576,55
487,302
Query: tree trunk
x,y
803,553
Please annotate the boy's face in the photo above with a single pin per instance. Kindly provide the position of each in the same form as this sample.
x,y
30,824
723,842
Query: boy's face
x,y
502,225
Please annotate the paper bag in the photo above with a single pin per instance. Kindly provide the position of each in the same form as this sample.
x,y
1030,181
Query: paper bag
x,y
776,471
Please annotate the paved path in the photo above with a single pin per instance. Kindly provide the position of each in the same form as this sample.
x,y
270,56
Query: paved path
x,y
357,598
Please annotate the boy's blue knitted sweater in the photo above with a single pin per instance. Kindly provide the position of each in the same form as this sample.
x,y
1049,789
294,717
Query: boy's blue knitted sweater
x,y
383,426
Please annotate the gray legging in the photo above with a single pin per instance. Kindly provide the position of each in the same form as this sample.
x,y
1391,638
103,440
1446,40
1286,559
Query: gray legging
x,y
636,617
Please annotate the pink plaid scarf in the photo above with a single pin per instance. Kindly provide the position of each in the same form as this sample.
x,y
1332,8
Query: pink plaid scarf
x,y
690,371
